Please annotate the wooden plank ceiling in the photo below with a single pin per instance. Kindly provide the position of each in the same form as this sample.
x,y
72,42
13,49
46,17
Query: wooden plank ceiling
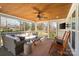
x,y
27,11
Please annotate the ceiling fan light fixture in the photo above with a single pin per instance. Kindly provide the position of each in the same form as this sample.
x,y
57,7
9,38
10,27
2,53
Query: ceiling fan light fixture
x,y
57,16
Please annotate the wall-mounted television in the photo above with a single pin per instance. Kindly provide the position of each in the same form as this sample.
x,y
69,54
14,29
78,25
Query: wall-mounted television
x,y
62,25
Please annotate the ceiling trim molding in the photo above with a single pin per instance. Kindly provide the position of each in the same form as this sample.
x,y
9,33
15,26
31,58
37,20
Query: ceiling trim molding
x,y
73,7
11,16
56,20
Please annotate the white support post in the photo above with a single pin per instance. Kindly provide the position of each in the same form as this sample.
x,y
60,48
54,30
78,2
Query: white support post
x,y
77,38
35,27
20,25
24,26
6,23
0,20
0,33
1,41
48,28
30,26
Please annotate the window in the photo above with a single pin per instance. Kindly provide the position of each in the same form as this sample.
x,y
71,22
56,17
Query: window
x,y
42,29
3,24
45,26
27,26
40,26
53,28
32,26
73,25
73,40
3,21
13,25
9,24
73,20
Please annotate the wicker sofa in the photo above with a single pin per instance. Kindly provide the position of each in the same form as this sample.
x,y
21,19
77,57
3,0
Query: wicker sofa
x,y
13,44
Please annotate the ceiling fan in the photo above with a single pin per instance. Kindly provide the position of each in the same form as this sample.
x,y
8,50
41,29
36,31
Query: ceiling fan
x,y
40,13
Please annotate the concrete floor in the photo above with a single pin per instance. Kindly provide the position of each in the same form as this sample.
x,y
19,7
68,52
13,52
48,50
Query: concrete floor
x,y
5,52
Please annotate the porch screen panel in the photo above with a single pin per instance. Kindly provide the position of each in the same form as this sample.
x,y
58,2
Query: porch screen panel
x,y
53,29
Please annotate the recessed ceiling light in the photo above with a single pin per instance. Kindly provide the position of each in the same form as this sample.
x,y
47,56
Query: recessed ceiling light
x,y
0,7
57,16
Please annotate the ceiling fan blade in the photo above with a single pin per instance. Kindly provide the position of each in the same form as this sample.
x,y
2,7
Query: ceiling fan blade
x,y
43,17
36,9
35,12
39,13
